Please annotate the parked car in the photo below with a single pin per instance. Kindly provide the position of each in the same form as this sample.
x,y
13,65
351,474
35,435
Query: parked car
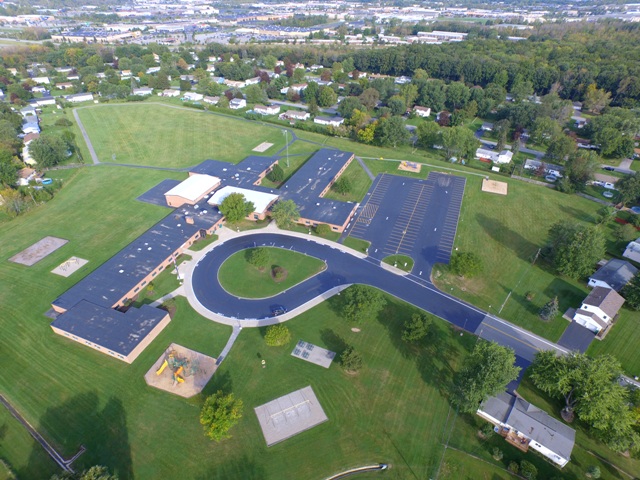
x,y
610,169
278,310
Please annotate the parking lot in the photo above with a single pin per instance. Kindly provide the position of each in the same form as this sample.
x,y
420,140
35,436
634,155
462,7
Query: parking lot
x,y
412,217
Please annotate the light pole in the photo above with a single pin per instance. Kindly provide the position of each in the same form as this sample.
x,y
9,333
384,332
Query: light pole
x,y
286,141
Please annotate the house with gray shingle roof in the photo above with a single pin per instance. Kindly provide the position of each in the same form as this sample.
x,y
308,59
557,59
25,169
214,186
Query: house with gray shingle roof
x,y
525,426
599,309
614,274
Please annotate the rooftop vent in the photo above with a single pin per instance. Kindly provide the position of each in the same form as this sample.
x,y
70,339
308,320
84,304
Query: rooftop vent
x,y
120,271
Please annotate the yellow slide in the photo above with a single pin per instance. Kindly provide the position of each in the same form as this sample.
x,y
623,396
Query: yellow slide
x,y
161,369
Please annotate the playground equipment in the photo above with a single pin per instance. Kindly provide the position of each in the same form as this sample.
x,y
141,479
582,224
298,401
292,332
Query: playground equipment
x,y
181,366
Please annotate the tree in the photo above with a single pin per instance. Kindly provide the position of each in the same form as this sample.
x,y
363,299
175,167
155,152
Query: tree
x,y
369,98
631,293
277,335
560,147
348,105
465,264
544,129
416,328
528,470
327,97
575,249
235,207
485,373
255,94
629,188
48,150
596,99
391,131
285,212
323,229
593,472
258,257
362,303
550,309
276,175
342,186
351,360
591,390
457,95
397,105
626,232
367,134
428,134
501,129
459,142
581,168
219,414
97,472
605,214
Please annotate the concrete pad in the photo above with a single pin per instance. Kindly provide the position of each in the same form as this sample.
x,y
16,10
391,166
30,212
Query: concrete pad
x,y
263,147
410,167
314,354
290,415
493,186
39,250
70,266
196,372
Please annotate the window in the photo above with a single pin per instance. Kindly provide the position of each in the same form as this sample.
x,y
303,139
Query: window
x,y
255,216
136,289
143,283
153,274
160,268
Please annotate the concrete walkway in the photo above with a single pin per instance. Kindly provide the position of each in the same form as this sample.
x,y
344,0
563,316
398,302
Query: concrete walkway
x,y
92,152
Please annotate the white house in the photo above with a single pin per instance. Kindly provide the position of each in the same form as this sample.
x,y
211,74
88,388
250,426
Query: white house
x,y
599,309
41,80
211,100
64,85
38,89
422,111
329,121
267,109
142,91
632,252
192,96
294,115
487,127
234,83
525,426
79,97
237,103
252,81
42,101
614,274
170,92
151,70
504,156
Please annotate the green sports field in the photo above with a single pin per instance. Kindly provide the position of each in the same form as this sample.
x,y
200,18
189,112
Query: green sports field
x,y
162,135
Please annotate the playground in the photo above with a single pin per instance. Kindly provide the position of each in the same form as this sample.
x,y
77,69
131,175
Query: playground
x,y
181,371
39,250
410,167
70,266
493,186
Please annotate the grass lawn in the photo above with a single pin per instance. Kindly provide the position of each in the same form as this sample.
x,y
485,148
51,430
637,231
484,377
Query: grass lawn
x,y
400,261
296,227
357,244
204,242
359,181
238,277
154,134
459,465
295,162
622,342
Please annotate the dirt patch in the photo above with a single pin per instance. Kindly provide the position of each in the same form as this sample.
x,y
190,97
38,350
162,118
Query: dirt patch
x,y
70,266
38,251
356,330
279,274
263,147
493,186
181,371
410,167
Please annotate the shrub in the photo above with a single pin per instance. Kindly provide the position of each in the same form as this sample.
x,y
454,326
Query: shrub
x,y
465,264
219,414
277,335
497,454
513,467
416,328
323,229
279,272
63,122
528,470
276,175
550,309
593,472
487,430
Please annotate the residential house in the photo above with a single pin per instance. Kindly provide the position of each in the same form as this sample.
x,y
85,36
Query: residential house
x,y
614,274
192,96
315,67
632,252
211,68
64,85
151,70
39,89
187,78
124,74
30,127
211,100
487,127
25,175
26,155
41,80
599,309
79,97
267,109
525,426
422,111
294,115
297,88
27,111
579,122
252,81
73,77
42,101
218,80
401,80
504,156
142,91
170,92
234,84
64,69
329,121
237,103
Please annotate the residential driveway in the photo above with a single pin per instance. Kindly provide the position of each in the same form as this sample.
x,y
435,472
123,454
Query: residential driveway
x,y
605,178
412,217
576,338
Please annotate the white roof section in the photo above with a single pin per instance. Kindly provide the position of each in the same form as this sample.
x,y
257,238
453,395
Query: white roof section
x,y
260,200
194,187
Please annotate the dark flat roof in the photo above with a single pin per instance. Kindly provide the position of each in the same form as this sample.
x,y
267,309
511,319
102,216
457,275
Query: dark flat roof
x,y
113,279
111,329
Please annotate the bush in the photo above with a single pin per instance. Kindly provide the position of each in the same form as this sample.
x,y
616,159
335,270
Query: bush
x,y
487,430
279,273
219,414
528,470
626,232
593,472
63,122
276,175
513,468
465,264
277,335
416,328
497,454
323,229
351,360
550,309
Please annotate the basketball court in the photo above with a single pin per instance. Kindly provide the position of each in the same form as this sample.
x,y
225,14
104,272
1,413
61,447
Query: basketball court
x,y
290,415
39,250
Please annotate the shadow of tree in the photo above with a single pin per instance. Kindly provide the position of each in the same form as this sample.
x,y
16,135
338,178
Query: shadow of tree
x,y
106,444
502,234
221,380
333,341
